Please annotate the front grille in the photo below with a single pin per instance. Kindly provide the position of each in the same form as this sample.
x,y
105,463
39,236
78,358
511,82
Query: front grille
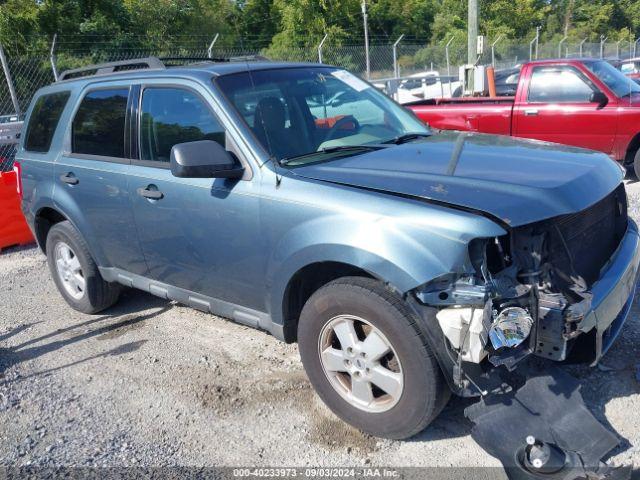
x,y
583,242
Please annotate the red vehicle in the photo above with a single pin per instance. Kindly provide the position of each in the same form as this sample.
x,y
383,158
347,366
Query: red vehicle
x,y
586,103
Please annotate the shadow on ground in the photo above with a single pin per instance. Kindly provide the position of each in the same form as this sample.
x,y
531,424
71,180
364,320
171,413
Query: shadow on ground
x,y
125,314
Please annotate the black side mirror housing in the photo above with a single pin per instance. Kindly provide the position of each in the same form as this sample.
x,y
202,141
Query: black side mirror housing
x,y
203,159
600,98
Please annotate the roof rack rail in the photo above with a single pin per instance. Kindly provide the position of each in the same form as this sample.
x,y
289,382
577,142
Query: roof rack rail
x,y
249,58
111,67
177,61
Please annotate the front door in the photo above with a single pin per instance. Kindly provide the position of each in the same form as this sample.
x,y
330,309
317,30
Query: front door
x,y
198,234
556,107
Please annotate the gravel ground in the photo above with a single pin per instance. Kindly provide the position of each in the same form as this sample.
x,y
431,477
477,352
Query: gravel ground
x,y
153,383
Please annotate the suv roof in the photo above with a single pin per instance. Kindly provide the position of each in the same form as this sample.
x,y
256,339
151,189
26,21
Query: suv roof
x,y
153,67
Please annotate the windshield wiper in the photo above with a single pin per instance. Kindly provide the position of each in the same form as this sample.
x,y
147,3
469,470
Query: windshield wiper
x,y
407,137
333,149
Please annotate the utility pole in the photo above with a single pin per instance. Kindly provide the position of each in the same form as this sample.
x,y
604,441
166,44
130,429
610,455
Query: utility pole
x,y
472,32
366,37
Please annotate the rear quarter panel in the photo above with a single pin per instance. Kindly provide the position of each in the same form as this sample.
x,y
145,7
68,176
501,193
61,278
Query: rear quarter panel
x,y
38,184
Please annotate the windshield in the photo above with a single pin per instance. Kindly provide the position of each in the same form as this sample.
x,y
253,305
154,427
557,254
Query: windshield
x,y
613,78
295,112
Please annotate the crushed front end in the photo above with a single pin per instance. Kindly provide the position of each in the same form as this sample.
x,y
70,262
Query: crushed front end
x,y
557,289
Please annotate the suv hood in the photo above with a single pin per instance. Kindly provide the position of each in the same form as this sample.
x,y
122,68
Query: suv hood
x,y
516,181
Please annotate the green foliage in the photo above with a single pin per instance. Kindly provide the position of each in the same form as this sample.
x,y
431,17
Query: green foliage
x,y
283,25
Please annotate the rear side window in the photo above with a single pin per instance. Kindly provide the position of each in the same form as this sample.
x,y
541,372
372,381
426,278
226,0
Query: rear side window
x,y
98,127
44,120
170,116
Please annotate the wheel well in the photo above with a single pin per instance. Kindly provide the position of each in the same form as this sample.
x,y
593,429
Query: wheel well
x,y
45,219
304,283
633,147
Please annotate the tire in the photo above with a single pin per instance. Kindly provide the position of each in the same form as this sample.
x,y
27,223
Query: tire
x,y
370,308
75,273
636,164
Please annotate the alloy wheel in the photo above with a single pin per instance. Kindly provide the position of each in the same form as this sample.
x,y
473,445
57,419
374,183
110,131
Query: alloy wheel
x,y
360,363
69,270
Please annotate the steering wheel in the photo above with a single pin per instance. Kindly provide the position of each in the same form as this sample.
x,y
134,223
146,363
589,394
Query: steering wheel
x,y
339,123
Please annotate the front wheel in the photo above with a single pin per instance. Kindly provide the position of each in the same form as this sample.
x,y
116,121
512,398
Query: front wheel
x,y
368,361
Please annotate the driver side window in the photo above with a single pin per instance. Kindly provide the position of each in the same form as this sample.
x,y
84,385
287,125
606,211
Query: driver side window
x,y
173,115
558,85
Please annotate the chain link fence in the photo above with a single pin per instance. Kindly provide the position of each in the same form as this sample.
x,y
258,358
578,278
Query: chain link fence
x,y
31,70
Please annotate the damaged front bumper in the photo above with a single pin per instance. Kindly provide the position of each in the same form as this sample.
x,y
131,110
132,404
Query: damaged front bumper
x,y
458,315
532,418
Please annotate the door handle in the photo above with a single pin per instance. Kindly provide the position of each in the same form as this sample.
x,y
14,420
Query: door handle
x,y
150,194
532,112
69,178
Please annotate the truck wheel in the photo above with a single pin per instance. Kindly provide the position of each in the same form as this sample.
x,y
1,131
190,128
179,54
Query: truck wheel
x,y
365,356
636,164
75,273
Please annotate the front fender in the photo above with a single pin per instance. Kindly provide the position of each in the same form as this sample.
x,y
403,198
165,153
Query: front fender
x,y
402,253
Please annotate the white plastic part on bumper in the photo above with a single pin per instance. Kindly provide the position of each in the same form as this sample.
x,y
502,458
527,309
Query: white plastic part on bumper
x,y
467,329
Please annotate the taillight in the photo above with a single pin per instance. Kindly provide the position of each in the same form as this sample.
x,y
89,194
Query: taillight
x,y
18,169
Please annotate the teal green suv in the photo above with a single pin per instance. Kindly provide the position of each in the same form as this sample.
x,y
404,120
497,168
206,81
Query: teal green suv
x,y
297,199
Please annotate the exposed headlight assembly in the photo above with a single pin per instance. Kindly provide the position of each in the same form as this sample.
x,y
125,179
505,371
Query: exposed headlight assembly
x,y
510,328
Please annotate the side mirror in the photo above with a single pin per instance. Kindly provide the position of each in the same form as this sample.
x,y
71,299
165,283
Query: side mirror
x,y
600,98
203,159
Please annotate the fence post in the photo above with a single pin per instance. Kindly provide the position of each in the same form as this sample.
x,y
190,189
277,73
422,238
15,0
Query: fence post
x,y
446,53
635,46
52,57
603,40
618,48
320,47
532,42
493,50
7,75
396,67
564,39
210,49
581,46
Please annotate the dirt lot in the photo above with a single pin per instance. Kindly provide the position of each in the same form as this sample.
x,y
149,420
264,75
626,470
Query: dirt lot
x,y
153,383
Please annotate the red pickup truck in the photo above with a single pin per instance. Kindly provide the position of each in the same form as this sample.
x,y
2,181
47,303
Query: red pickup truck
x,y
586,103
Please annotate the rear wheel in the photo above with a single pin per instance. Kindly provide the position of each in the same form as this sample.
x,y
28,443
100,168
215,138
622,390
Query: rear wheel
x,y
368,361
75,273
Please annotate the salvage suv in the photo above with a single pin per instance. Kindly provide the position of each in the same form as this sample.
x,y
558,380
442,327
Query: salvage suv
x,y
298,199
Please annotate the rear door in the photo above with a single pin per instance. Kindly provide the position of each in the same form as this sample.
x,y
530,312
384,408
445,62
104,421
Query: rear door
x,y
91,178
198,234
555,106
